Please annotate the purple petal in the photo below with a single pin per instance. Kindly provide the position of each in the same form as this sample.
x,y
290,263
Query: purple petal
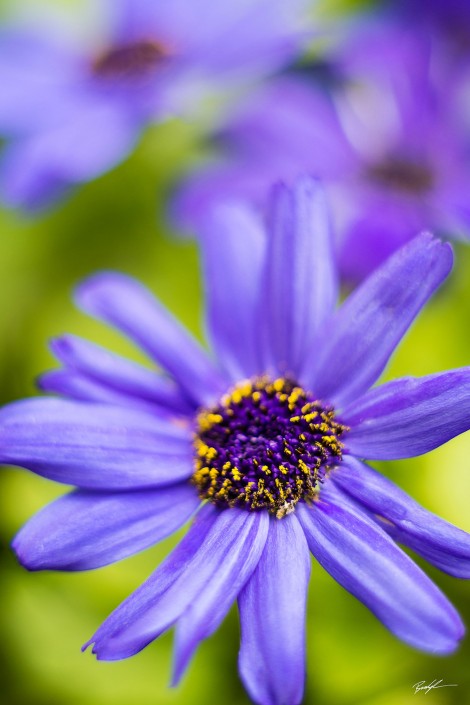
x,y
250,36
74,385
94,446
121,375
92,138
300,290
363,334
367,563
86,530
125,304
233,254
177,584
36,74
409,416
440,543
206,613
272,615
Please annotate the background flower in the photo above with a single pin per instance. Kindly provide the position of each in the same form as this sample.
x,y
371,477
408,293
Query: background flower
x,y
71,112
386,132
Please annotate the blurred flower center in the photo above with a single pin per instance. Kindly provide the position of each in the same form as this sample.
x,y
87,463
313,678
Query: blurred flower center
x,y
267,445
130,60
403,175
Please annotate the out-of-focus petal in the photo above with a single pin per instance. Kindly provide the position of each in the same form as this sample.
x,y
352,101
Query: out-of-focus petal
x,y
118,373
362,335
124,303
409,416
233,248
440,543
75,385
300,288
272,615
368,563
86,530
36,75
93,137
94,446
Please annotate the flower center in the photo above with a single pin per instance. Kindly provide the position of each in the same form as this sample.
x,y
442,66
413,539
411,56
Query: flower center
x,y
403,175
267,445
130,60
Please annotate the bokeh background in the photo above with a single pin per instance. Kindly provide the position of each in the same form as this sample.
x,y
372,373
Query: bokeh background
x,y
118,222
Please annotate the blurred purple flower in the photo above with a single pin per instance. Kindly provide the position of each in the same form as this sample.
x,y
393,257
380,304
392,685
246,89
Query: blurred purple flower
x,y
448,22
71,113
269,439
388,142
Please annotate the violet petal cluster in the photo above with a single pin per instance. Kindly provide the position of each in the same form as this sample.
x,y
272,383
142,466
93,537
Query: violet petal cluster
x,y
70,112
124,436
386,135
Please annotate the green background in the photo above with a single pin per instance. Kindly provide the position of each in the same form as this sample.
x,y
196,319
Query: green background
x,y
118,222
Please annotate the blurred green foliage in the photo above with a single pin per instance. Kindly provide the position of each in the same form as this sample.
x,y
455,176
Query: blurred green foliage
x,y
118,222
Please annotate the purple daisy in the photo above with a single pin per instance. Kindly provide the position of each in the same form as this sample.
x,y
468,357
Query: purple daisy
x,y
448,22
265,447
70,113
388,138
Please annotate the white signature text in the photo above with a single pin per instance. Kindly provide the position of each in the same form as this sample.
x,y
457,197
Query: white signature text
x,y
426,687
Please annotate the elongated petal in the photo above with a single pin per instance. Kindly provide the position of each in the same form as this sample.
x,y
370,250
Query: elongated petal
x,y
92,137
74,385
175,585
36,75
300,289
272,616
440,543
206,613
367,563
364,333
86,530
122,302
409,416
233,254
119,374
94,446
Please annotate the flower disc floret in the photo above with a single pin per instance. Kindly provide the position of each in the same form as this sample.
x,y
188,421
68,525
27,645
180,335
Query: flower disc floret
x,y
267,445
130,60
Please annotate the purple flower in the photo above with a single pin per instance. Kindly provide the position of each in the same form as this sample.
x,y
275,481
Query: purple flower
x,y
265,446
387,139
70,113
448,22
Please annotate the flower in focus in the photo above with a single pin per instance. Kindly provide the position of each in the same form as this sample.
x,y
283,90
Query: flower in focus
x,y
265,447
70,112
387,138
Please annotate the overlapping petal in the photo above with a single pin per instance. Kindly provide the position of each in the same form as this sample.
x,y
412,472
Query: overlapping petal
x,y
94,446
272,615
74,385
208,610
84,530
363,334
119,374
125,304
368,563
215,537
440,543
409,416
